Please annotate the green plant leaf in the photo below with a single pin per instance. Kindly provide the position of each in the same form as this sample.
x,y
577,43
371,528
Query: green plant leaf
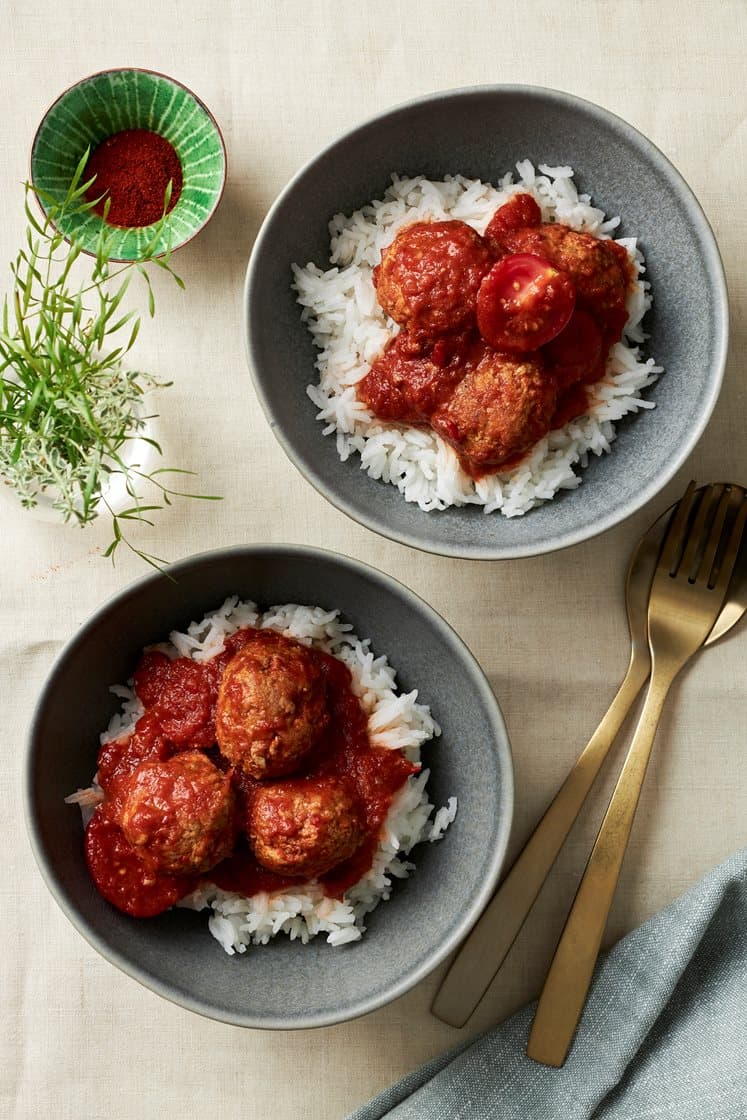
x,y
67,404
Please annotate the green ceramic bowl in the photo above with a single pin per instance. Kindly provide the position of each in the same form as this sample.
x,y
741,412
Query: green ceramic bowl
x,y
106,103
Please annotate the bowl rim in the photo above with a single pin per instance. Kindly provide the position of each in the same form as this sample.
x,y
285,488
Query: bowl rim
x,y
504,762
155,74
564,538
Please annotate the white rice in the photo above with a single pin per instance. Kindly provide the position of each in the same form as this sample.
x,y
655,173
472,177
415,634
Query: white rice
x,y
395,721
350,329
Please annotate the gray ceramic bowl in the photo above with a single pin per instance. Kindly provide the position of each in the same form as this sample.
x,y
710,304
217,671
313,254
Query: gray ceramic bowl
x,y
482,132
282,985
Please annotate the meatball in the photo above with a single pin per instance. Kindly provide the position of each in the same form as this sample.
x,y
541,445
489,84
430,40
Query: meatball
x,y
407,382
578,353
601,274
305,826
272,705
498,412
429,276
520,211
180,813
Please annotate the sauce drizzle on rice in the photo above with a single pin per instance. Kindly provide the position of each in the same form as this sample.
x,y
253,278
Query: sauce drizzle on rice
x,y
423,467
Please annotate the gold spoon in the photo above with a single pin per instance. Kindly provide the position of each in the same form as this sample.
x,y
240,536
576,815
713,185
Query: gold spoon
x,y
487,946
689,589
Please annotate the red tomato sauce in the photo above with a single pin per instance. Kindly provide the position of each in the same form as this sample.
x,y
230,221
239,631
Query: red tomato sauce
x,y
123,875
572,403
180,698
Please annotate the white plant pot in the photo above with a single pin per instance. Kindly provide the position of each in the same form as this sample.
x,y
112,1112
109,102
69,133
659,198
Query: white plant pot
x,y
136,453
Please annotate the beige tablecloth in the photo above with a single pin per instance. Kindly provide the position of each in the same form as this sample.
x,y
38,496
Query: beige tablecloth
x,y
283,79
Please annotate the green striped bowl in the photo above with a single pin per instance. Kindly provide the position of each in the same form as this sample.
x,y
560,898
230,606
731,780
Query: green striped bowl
x,y
105,103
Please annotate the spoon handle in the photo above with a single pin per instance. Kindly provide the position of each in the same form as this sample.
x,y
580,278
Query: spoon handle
x,y
568,980
487,946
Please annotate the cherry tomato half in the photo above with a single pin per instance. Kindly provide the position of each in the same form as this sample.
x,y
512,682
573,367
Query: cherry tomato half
x,y
576,353
520,211
523,303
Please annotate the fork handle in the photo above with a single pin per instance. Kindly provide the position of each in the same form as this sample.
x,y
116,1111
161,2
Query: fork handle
x,y
568,980
486,948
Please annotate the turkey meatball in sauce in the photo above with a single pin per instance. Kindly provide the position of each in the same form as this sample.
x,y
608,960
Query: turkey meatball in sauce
x,y
305,826
272,706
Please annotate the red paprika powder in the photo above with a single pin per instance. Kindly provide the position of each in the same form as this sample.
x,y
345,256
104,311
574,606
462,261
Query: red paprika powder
x,y
133,169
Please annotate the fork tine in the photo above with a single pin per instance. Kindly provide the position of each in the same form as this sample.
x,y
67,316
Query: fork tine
x,y
716,537
721,578
694,542
676,529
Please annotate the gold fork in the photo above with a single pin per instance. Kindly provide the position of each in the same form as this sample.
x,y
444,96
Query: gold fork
x,y
487,946
689,588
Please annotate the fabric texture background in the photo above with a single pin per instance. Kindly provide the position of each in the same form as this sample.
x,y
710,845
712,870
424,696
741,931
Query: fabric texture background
x,y
284,80
662,1034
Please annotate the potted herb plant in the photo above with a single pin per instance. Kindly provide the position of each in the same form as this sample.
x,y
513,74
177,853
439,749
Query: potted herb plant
x,y
75,425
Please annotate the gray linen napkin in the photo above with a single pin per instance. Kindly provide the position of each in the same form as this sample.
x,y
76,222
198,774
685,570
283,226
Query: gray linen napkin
x,y
663,1034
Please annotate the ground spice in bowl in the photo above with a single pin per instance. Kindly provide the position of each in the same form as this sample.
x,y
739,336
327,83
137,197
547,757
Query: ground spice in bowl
x,y
133,169
145,131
